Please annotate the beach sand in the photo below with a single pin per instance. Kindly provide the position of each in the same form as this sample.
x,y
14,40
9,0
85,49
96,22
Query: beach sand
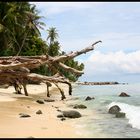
x,y
45,125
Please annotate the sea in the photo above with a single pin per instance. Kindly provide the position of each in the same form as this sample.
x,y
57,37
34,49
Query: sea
x,y
96,122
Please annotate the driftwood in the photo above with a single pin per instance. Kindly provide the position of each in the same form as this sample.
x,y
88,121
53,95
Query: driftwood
x,y
15,70
48,84
61,91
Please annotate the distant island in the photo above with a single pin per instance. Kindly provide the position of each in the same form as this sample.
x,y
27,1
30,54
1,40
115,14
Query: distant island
x,y
98,83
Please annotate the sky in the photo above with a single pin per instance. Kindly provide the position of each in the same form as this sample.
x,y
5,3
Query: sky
x,y
116,24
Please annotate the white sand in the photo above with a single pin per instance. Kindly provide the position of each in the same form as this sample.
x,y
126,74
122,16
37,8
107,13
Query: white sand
x,y
45,125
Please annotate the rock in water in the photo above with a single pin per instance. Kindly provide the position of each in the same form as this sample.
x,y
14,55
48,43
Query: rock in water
x,y
114,109
39,112
120,115
89,98
123,94
79,106
22,115
40,101
49,100
71,114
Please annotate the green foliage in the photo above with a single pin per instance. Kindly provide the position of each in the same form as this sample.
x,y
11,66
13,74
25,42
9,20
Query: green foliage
x,y
19,23
36,47
20,35
74,64
54,49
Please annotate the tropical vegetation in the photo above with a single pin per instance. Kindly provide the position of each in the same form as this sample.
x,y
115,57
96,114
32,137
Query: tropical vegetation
x,y
20,35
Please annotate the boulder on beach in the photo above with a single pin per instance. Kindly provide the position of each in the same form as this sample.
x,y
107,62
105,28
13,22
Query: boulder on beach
x,y
59,110
71,114
39,112
123,94
80,106
23,115
40,101
114,109
49,100
60,116
63,118
89,98
120,115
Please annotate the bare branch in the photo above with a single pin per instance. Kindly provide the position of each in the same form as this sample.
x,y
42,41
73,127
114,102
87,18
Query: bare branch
x,y
77,72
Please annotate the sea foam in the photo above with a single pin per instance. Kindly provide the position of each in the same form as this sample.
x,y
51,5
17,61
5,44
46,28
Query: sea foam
x,y
132,113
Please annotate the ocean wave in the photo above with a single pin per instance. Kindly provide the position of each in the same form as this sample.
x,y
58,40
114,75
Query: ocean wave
x,y
132,113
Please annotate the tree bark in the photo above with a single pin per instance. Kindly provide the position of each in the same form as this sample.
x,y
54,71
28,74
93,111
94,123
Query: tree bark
x,y
61,91
25,89
48,85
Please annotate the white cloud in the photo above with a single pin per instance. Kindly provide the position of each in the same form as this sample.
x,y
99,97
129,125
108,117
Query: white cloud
x,y
110,42
113,63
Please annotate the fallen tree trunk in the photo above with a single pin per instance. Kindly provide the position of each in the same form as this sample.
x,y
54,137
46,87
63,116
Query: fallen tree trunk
x,y
32,62
17,68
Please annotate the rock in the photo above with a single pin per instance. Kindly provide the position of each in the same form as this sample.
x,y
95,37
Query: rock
x,y
49,100
59,110
89,98
123,94
60,116
62,119
79,106
56,107
114,109
120,115
129,125
39,112
71,114
22,115
40,101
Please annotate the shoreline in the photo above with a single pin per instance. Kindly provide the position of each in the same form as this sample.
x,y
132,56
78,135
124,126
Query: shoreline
x,y
100,83
45,125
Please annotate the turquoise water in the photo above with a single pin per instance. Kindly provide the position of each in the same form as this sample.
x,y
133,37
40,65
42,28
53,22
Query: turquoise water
x,y
97,122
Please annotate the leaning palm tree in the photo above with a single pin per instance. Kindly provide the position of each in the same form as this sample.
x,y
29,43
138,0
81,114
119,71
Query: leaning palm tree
x,y
31,26
19,22
52,35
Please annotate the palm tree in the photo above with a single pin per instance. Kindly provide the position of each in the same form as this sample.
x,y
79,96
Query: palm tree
x,y
52,35
19,22
32,25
